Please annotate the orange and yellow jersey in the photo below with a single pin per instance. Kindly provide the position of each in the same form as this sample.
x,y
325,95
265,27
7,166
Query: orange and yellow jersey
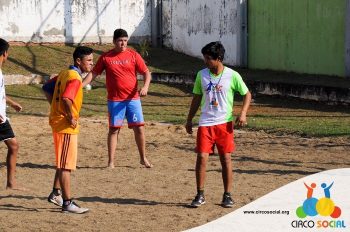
x,y
68,85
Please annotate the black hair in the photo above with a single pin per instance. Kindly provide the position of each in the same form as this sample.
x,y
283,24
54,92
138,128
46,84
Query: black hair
x,y
81,51
118,33
4,46
215,50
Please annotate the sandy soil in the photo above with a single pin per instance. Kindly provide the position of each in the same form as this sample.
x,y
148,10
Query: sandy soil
x,y
133,198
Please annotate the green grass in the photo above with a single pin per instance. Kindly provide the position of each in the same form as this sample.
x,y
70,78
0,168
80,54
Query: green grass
x,y
309,126
167,103
164,103
50,59
170,104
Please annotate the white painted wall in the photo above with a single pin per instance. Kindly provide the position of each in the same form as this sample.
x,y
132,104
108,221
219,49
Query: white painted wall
x,y
188,25
73,21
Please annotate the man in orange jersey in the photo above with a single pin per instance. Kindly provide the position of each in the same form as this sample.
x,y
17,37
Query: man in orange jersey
x,y
65,95
121,65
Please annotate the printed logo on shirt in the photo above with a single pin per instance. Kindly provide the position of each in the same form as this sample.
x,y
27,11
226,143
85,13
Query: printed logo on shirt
x,y
119,62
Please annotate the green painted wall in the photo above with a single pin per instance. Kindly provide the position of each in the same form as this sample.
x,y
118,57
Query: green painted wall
x,y
303,36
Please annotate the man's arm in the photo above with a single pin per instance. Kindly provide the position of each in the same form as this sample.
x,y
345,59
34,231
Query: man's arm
x,y
242,118
68,111
89,78
13,104
147,81
68,96
196,101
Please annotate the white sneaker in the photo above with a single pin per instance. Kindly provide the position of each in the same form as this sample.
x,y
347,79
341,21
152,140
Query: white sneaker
x,y
73,208
57,200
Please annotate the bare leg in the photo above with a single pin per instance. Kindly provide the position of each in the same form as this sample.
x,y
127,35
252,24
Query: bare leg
x,y
139,133
226,164
56,182
11,161
112,142
201,166
64,175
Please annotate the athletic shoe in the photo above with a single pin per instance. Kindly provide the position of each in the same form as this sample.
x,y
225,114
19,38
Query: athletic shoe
x,y
198,201
56,199
227,201
73,208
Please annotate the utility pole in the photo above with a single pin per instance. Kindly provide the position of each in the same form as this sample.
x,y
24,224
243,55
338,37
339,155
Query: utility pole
x,y
156,23
243,34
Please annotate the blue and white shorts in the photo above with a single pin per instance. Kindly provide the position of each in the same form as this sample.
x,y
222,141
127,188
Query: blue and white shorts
x,y
131,109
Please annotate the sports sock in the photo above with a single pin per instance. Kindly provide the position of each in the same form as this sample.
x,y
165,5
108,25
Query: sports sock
x,y
67,202
200,192
56,191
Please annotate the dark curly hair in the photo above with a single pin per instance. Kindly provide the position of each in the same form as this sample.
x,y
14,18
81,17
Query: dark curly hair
x,y
215,50
4,46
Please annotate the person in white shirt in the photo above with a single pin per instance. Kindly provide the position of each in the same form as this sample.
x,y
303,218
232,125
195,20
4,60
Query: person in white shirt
x,y
6,132
213,92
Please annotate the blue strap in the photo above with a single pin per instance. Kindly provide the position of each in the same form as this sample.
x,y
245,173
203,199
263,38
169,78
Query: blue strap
x,y
72,67
49,87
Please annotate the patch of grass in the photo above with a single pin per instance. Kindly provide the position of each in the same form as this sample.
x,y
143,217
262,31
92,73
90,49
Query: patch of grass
x,y
43,59
167,103
164,103
175,62
308,125
50,59
170,104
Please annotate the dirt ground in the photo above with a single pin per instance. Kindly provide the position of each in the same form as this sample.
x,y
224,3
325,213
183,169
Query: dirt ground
x,y
133,198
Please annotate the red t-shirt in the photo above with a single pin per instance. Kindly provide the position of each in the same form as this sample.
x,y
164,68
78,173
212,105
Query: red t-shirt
x,y
121,69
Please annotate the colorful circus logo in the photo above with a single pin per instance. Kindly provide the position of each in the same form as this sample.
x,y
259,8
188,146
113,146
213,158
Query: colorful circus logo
x,y
323,206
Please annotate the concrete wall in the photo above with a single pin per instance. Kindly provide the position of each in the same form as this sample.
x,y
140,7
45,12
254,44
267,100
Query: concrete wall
x,y
73,21
189,25
328,94
303,36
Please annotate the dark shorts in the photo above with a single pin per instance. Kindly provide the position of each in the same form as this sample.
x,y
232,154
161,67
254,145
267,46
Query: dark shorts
x,y
6,131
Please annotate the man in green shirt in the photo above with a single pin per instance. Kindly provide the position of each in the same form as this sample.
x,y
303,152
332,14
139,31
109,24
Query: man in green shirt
x,y
214,90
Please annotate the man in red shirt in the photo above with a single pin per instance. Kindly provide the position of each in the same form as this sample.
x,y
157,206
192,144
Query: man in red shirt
x,y
122,65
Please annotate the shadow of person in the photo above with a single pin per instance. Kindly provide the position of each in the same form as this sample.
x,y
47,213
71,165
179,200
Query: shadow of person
x,y
128,201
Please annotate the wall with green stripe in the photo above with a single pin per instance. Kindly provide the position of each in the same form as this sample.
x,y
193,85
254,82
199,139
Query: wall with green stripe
x,y
303,36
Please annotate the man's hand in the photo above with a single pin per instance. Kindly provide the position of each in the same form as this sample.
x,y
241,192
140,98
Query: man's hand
x,y
13,104
2,119
143,91
16,106
189,127
241,120
73,122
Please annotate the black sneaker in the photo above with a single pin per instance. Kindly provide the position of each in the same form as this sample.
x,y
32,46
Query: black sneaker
x,y
198,201
227,201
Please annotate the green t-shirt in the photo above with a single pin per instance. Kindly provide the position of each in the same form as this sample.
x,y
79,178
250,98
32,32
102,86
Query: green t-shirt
x,y
218,95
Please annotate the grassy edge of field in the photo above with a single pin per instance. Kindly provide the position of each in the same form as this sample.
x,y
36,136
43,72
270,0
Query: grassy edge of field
x,y
170,104
50,58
